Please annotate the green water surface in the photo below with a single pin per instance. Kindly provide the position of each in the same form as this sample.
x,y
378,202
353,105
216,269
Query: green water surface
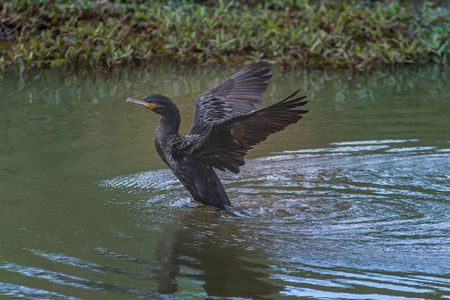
x,y
351,203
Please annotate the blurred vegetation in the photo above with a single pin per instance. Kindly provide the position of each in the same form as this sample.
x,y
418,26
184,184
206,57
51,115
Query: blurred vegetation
x,y
100,35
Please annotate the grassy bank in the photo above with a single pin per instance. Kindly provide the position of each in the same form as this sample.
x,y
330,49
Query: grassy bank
x,y
357,35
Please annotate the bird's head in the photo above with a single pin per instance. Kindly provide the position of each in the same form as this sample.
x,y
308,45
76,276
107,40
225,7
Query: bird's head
x,y
158,103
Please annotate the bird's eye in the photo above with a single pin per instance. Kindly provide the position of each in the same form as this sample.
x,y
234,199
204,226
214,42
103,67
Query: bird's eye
x,y
150,101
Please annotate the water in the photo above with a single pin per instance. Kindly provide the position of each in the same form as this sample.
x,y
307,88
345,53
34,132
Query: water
x,y
351,203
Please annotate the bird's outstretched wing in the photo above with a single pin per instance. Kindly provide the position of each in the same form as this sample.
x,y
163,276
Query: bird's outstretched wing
x,y
235,96
226,144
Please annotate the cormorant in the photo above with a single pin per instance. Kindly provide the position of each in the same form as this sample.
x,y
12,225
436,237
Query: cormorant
x,y
226,125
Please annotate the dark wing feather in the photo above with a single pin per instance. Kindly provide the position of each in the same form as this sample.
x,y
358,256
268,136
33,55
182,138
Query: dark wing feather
x,y
235,96
225,146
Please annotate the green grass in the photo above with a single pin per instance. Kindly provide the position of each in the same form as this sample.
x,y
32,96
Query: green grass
x,y
101,35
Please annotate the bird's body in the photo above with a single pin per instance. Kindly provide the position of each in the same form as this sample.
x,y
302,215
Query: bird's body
x,y
226,125
199,179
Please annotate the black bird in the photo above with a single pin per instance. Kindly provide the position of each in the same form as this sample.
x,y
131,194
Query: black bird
x,y
226,125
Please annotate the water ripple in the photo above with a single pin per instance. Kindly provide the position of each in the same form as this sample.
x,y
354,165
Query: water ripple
x,y
13,290
377,207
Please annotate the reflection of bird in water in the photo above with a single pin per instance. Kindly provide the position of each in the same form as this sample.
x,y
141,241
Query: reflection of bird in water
x,y
226,125
216,267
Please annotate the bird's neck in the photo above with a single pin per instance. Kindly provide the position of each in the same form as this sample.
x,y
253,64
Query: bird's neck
x,y
168,123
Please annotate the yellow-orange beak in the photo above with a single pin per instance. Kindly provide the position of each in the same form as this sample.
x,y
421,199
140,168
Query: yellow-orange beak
x,y
141,102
